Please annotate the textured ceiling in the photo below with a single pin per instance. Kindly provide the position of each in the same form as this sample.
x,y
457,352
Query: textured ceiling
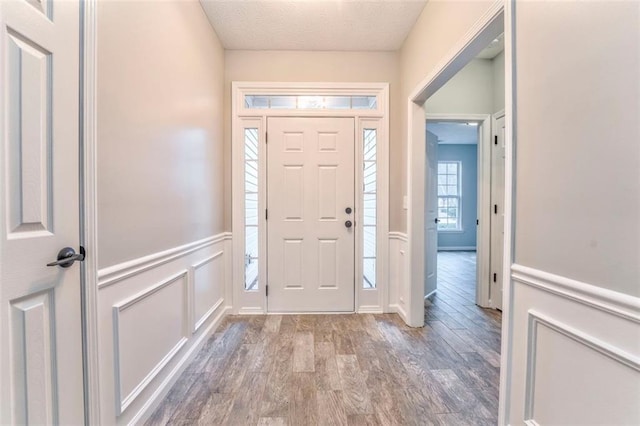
x,y
453,132
312,25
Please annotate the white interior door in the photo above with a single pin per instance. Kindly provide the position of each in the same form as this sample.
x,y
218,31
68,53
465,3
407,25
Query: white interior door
x,y
431,219
40,315
310,184
497,214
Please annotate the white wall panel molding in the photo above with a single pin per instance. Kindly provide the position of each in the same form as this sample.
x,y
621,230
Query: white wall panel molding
x,y
615,303
573,342
152,321
537,320
398,286
163,388
207,293
125,363
113,274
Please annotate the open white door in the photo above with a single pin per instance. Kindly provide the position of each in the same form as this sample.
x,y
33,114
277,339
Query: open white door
x,y
40,312
431,219
310,226
497,213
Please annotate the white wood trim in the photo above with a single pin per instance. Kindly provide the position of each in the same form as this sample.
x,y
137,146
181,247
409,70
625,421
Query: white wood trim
x,y
486,28
163,388
255,302
374,309
431,294
122,402
197,322
113,274
89,206
483,208
612,302
509,212
534,320
394,235
472,43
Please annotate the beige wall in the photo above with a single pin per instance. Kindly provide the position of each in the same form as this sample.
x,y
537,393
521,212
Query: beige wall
x,y
160,111
440,26
470,91
578,141
297,66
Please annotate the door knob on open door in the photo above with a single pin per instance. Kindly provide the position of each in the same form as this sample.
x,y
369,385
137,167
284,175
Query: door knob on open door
x,y
348,224
67,256
437,220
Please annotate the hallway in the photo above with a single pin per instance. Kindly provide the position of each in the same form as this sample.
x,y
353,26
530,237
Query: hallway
x,y
345,370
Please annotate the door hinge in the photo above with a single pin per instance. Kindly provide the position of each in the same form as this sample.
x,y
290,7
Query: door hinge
x,y
495,209
266,138
495,277
266,289
266,214
495,140
477,221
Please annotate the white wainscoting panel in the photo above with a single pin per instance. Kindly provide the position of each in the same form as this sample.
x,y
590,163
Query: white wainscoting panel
x,y
144,343
575,352
154,314
208,294
398,264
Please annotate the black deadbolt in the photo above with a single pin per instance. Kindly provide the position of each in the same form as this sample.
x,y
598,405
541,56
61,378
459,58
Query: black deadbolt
x,y
348,210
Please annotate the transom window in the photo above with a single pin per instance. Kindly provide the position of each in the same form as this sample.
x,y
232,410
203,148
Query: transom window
x,y
309,102
449,195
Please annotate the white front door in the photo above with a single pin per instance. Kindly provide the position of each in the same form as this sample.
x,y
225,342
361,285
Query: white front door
x,y
497,214
431,219
40,312
310,186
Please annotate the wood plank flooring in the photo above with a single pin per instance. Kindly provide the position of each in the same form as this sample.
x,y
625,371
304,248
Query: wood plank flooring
x,y
348,369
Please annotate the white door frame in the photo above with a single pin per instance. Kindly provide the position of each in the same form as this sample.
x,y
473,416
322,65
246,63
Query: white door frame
x,y
498,18
89,207
366,300
484,198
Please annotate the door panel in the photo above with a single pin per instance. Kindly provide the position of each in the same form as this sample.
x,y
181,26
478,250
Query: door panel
x,y
497,215
310,183
40,322
431,231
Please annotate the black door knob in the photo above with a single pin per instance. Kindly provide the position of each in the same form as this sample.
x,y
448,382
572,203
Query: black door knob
x,y
348,210
348,224
67,256
437,220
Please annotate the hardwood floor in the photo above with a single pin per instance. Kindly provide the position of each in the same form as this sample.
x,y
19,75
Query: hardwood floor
x,y
347,369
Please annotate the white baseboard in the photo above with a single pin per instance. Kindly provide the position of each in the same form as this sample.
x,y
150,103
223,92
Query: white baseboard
x,y
430,295
370,310
397,309
457,248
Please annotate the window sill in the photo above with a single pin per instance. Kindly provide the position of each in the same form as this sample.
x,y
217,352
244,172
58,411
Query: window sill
x,y
451,231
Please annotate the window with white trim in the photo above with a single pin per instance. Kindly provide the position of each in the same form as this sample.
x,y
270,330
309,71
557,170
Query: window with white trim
x,y
369,234
251,208
449,195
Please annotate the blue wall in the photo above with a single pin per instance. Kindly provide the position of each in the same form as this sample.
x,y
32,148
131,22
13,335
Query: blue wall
x,y
468,155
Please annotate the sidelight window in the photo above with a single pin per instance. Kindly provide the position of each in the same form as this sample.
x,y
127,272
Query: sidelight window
x,y
369,211
251,208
